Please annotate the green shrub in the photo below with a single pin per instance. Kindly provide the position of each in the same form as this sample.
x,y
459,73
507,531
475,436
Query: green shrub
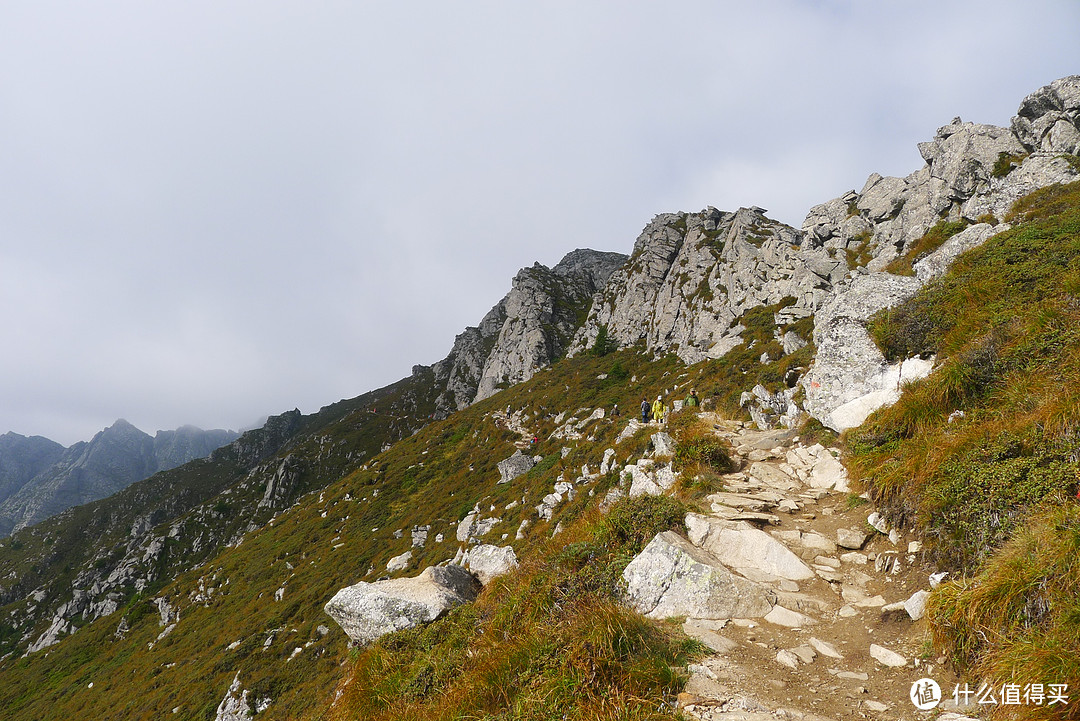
x,y
1006,163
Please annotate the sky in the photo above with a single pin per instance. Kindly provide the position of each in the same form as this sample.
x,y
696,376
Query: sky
x,y
211,211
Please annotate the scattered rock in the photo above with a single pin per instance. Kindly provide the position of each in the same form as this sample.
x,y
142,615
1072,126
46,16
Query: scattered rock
x,y
886,657
787,658
851,539
399,563
877,521
707,631
367,611
825,648
853,675
916,605
786,617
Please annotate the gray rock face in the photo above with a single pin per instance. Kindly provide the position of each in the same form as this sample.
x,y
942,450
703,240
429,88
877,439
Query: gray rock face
x,y
1049,118
848,363
525,331
542,313
367,611
671,577
514,466
488,562
87,471
692,276
891,213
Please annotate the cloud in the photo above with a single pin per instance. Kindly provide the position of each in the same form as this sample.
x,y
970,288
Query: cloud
x,y
218,210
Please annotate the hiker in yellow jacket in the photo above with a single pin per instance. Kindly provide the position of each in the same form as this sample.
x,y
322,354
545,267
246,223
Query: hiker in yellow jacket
x,y
659,410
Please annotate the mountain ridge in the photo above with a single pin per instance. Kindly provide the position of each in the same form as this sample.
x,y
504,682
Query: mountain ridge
x,y
113,459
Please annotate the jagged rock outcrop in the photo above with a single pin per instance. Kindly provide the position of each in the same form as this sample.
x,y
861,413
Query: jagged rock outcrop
x,y
114,459
525,331
1049,119
692,276
367,611
850,377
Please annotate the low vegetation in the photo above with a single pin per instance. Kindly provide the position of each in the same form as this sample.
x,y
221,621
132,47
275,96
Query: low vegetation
x,y
549,641
984,455
924,246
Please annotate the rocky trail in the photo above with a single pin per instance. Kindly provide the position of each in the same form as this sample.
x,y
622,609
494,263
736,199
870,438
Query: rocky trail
x,y
843,636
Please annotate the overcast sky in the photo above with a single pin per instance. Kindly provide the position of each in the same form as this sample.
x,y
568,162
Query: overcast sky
x,y
212,211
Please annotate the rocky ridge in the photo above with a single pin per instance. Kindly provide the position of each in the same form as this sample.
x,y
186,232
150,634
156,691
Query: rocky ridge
x,y
692,277
525,331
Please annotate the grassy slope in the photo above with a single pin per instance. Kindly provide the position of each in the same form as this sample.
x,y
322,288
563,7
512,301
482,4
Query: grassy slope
x,y
423,479
983,455
207,495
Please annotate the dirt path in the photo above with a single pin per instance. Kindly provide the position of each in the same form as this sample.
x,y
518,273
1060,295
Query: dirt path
x,y
816,662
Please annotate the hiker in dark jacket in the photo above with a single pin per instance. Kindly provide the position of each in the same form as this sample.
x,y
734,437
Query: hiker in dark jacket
x,y
645,408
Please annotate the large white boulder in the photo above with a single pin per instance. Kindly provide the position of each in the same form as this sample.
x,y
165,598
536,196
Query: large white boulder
x,y
743,547
672,577
488,562
514,466
367,611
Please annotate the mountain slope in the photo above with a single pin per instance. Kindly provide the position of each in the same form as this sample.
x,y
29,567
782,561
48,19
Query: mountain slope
x,y
218,584
89,561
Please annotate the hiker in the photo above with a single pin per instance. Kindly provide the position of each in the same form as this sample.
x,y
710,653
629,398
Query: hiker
x,y
615,410
692,400
645,408
658,410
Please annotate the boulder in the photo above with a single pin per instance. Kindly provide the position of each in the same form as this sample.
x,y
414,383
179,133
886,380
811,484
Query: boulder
x,y
367,611
514,466
466,527
741,546
608,463
488,562
916,605
399,563
672,577
828,472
